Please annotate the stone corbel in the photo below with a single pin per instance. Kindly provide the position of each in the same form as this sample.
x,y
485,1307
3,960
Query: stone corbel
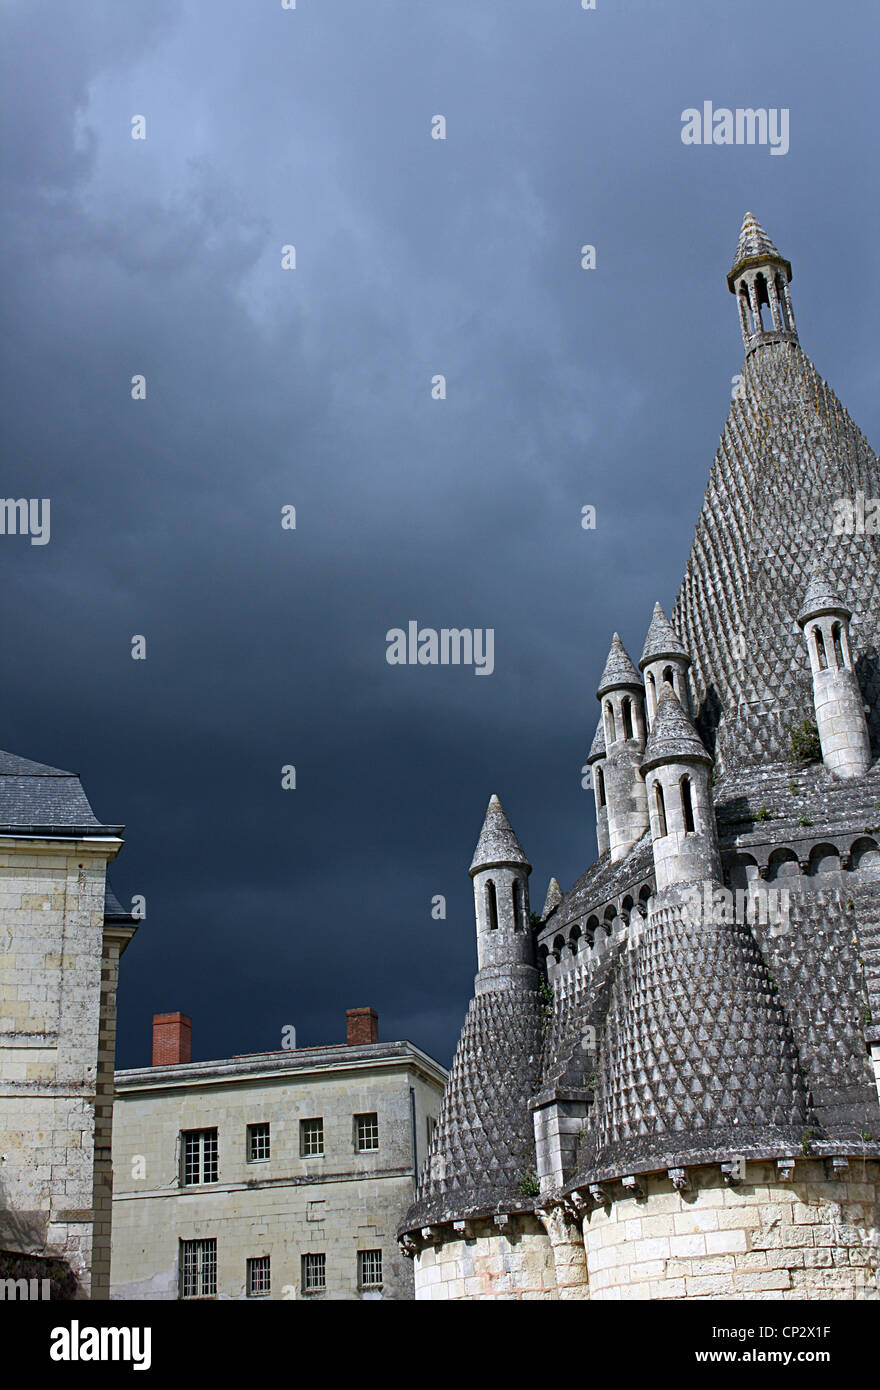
x,y
430,1234
464,1230
633,1186
502,1221
598,1194
785,1169
408,1247
679,1179
836,1167
734,1171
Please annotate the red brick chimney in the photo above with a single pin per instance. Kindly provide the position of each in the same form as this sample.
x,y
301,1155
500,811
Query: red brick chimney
x,y
172,1039
361,1026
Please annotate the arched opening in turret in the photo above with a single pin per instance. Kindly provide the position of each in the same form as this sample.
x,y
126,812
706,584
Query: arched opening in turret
x,y
590,930
574,940
819,643
687,804
651,689
761,298
626,710
837,646
610,731
517,904
599,776
744,314
783,307
742,869
491,905
660,811
645,895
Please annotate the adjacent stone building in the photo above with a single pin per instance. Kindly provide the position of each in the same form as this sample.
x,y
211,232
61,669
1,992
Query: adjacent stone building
x,y
668,1088
280,1175
62,933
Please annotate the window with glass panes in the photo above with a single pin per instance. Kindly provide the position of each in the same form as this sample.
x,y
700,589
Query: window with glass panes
x,y
259,1280
314,1273
367,1130
369,1268
257,1143
198,1268
311,1138
199,1156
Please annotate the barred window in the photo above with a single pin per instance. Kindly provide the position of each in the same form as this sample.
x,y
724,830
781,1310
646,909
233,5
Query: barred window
x,y
367,1130
259,1279
258,1148
369,1269
198,1268
311,1138
199,1156
314,1273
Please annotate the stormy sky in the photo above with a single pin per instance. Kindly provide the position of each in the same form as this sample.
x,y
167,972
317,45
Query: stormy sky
x,y
312,388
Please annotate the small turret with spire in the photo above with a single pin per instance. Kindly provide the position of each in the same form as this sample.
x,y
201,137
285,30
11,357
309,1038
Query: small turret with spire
x,y
621,695
760,278
837,698
664,658
500,873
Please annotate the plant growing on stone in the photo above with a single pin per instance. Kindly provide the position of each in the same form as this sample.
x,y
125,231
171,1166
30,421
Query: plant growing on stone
x,y
805,745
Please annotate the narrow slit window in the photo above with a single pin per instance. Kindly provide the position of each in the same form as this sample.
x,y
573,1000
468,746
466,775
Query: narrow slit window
x,y
687,804
660,808
491,906
820,649
627,718
600,787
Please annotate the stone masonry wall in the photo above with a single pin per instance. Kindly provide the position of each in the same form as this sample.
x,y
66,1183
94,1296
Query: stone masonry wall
x,y
809,1238
492,1265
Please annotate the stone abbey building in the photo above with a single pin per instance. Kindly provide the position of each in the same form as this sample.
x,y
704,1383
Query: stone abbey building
x,y
667,1088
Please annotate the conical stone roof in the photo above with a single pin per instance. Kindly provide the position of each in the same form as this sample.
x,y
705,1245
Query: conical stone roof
x,y
821,597
553,898
662,640
497,843
619,671
753,248
597,747
673,737
698,1063
484,1139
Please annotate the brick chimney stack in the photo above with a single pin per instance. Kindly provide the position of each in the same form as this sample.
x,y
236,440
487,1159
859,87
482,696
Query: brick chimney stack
x,y
361,1026
172,1039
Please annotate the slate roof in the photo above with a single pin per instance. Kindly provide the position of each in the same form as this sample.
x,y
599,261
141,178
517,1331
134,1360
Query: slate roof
x,y
619,671
497,843
821,597
38,799
753,247
661,640
673,737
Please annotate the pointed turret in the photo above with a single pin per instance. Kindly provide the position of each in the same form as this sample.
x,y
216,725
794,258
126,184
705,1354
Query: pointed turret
x,y
664,658
553,898
676,768
759,277
621,694
619,672
497,843
837,697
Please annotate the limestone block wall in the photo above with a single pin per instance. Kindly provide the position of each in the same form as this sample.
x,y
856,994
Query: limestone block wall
x,y
491,1265
51,963
808,1238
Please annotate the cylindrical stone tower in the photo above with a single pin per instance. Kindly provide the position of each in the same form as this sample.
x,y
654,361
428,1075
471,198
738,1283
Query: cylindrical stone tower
x,y
676,768
621,695
664,658
500,873
840,707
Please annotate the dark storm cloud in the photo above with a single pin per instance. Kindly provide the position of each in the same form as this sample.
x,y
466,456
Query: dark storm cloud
x,y
414,257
